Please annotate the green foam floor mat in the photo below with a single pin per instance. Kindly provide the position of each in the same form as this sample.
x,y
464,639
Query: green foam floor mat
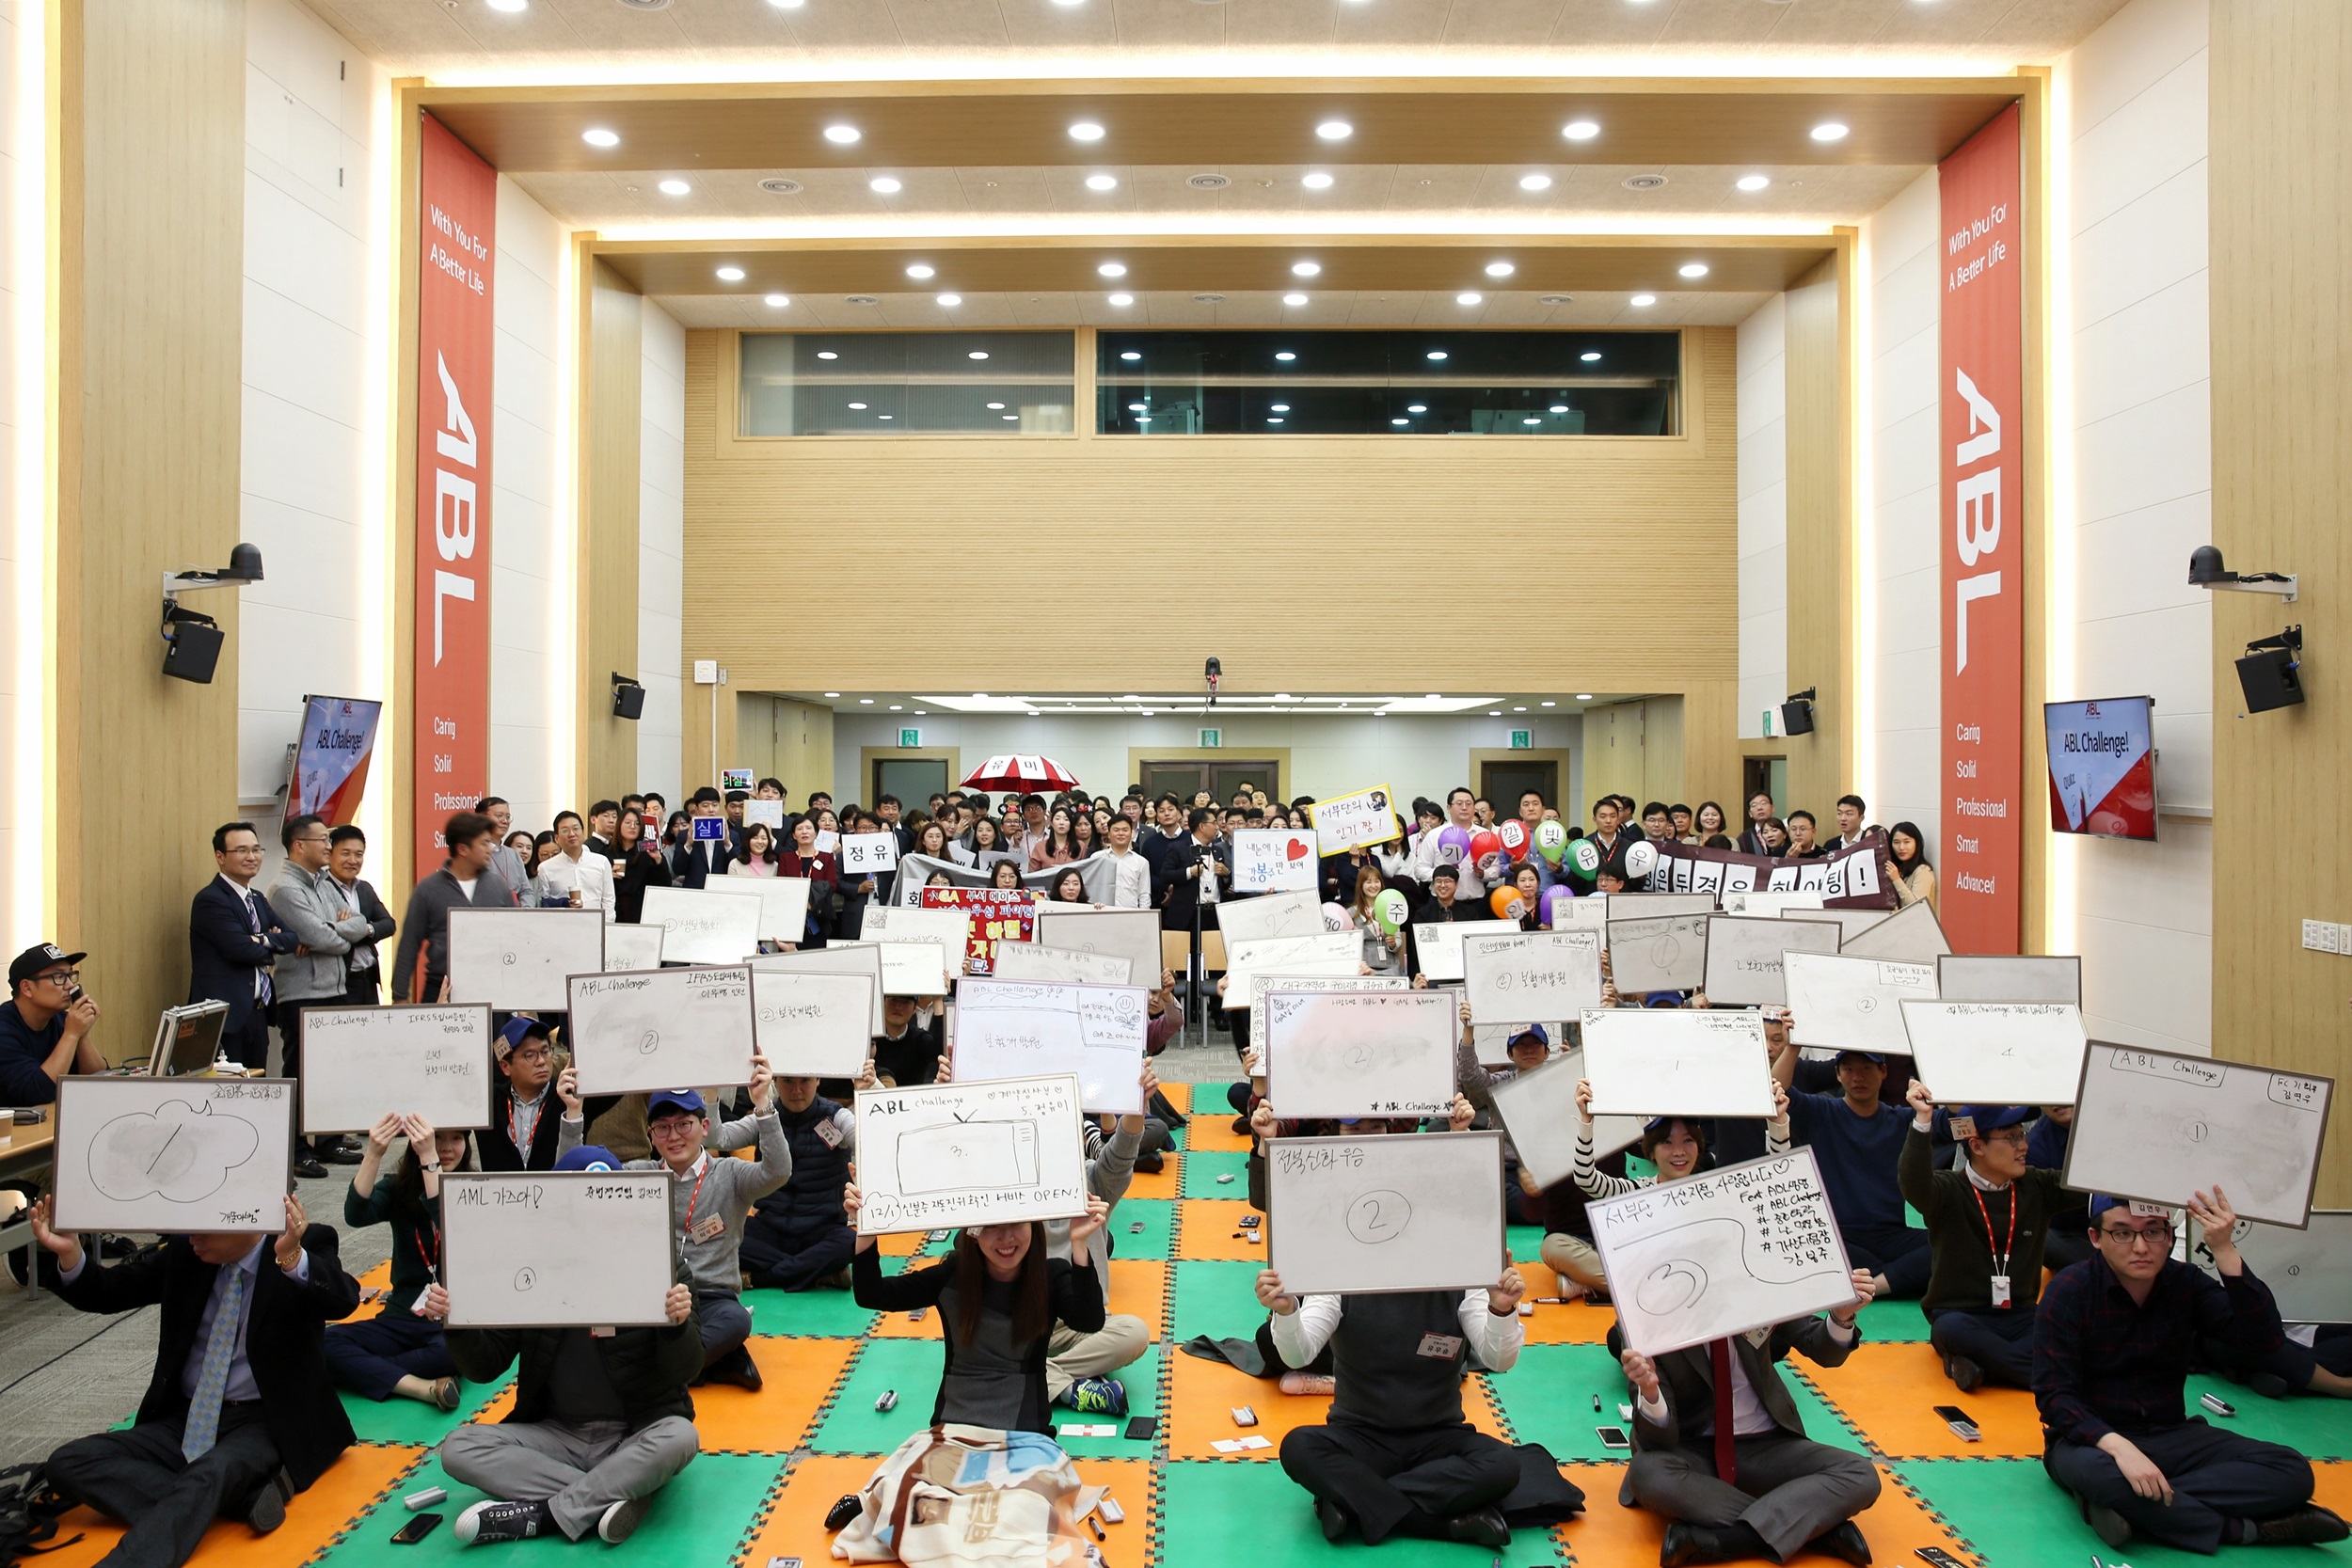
x,y
1157,1239
1885,1322
909,1366
1219,1300
818,1313
1215,1513
2017,1518
1202,1171
1141,1379
400,1420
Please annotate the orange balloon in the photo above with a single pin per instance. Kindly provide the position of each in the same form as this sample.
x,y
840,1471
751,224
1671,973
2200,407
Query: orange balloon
x,y
1506,903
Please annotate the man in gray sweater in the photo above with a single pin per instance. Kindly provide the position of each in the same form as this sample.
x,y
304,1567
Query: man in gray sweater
x,y
710,1194
421,968
311,906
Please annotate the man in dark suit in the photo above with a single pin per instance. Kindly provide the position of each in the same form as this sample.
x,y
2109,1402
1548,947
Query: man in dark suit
x,y
240,1413
233,937
694,861
1720,1452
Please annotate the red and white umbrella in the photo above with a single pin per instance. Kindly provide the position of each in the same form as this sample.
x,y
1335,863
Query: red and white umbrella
x,y
1030,775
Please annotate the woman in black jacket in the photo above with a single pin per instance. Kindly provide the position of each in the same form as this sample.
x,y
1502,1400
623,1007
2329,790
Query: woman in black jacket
x,y
641,866
998,1297
400,1351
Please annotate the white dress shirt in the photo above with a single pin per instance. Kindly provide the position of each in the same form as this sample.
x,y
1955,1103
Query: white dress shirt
x,y
241,1389
1749,1418
559,874
1131,887
1299,1337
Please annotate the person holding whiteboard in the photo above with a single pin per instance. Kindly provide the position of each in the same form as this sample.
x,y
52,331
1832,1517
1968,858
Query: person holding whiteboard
x,y
2111,1352
1676,1145
521,1135
999,1296
399,1351
1857,1138
796,1241
1987,1223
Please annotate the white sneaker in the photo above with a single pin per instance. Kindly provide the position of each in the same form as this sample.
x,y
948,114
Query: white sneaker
x,y
621,1520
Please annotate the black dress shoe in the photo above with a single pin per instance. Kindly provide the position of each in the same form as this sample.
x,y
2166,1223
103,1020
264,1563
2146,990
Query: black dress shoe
x,y
1686,1544
738,1370
308,1168
267,1511
339,1151
2270,1385
1333,1518
2308,1526
1965,1374
1481,1526
1845,1544
2109,1526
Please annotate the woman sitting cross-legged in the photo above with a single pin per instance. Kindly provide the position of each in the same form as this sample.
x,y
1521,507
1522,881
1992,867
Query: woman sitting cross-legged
x,y
400,1351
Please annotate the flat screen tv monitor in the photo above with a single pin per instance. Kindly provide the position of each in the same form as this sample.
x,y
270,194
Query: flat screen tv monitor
x,y
2102,767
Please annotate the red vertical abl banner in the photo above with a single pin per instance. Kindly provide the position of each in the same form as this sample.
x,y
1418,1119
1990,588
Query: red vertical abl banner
x,y
1982,469
450,696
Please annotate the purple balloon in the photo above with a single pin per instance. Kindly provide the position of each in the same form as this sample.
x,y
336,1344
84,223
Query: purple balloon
x,y
1452,845
1554,897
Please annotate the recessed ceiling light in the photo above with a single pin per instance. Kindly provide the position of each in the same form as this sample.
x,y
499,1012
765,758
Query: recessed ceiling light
x,y
1829,131
827,354
787,5
920,269
1208,182
1086,130
1559,407
1417,408
1642,302
897,707
1112,269
1521,708
1317,181
1535,181
1531,420
1294,299
951,301
1500,269
1753,181
833,693
978,354
1462,299
776,184
778,302
996,405
600,137
1694,269
858,405
1130,355
508,5
1437,354
1149,714
1591,357
1306,269
1278,407
1494,713
1010,418
1274,421
1138,407
841,136
1583,696
675,187
867,701
1286,356
1433,696
730,275
1335,130
1102,181
981,694
1400,421
1123,301
1579,130
885,185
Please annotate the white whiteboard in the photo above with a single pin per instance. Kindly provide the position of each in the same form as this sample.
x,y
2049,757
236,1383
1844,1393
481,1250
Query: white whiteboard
x,y
1528,977
1274,914
836,959
517,961
1332,953
1650,906
1744,953
710,926
812,1026
662,1029
1438,944
1997,1053
865,853
1031,961
1356,1215
1359,1053
1982,977
1590,913
1853,1003
1273,860
2308,1271
1672,1061
934,1155
1721,1252
556,1249
949,930
359,1064
1491,1042
1027,1029
1130,934
1658,953
1850,923
2158,1126
783,905
1766,905
1912,936
632,947
1538,1110
173,1154
909,968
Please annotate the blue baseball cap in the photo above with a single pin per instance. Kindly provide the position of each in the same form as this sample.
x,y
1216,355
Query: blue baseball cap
x,y
588,1157
1865,1055
1990,1118
1535,1032
684,1100
520,1028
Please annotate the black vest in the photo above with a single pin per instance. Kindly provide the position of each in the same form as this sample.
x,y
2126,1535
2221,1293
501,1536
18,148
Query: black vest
x,y
1384,1380
811,1199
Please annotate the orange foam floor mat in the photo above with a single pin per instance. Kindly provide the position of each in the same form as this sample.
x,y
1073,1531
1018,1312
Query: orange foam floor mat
x,y
350,1486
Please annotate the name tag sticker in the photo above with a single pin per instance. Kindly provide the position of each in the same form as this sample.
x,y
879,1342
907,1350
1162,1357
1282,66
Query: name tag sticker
x,y
706,1228
1443,1347
830,1133
2144,1210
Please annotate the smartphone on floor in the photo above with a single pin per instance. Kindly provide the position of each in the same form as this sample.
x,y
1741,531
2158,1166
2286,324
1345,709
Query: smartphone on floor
x,y
1959,1422
1613,1437
416,1530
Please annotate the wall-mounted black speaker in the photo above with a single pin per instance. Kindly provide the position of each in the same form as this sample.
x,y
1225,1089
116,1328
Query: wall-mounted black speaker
x,y
628,699
193,651
1796,717
2267,679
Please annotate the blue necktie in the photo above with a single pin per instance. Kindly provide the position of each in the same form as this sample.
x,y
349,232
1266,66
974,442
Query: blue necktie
x,y
203,1424
261,976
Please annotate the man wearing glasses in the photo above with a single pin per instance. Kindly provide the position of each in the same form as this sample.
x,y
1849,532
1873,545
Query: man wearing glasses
x,y
2111,1354
234,939
310,905
45,1027
1987,1223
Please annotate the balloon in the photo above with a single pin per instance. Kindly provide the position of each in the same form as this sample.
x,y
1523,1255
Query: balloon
x,y
1388,909
1485,843
1490,866
1555,900
1515,840
1586,856
1335,918
1506,903
1551,840
1639,861
1452,845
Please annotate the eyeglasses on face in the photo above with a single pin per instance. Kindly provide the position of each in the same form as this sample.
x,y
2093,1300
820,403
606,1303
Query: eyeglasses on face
x,y
2125,1236
60,979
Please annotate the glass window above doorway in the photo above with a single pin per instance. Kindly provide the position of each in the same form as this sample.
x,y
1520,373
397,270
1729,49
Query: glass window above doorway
x,y
908,382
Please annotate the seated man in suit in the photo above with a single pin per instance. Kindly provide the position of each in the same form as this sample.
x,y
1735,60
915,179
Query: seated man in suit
x,y
241,1413
1720,1453
601,1420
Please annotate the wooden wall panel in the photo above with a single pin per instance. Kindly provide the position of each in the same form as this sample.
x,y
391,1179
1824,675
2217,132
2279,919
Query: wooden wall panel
x,y
149,128
611,398
1821,535
2280,151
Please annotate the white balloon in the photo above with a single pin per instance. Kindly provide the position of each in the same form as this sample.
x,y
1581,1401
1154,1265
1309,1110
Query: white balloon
x,y
1640,859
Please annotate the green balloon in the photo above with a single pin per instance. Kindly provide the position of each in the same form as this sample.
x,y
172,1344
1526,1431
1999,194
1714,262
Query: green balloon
x,y
1552,842
1388,909
1587,856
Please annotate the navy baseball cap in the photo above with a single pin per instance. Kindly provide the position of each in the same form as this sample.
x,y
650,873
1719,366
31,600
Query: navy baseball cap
x,y
1990,1118
1865,1055
1532,1031
519,1029
683,1099
588,1157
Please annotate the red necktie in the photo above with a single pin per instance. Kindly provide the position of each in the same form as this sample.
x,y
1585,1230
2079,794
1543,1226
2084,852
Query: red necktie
x,y
1726,1462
